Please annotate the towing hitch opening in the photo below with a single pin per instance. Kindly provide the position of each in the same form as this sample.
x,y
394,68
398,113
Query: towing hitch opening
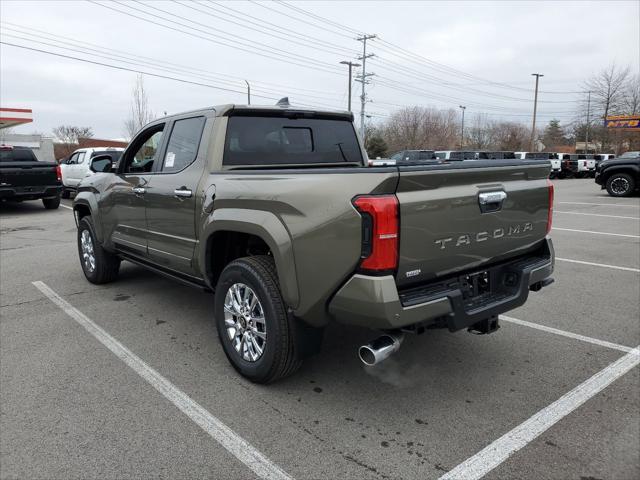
x,y
485,327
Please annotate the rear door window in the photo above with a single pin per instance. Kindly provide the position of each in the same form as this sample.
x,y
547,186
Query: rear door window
x,y
253,140
183,145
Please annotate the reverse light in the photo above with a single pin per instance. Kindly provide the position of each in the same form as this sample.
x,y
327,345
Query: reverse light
x,y
379,232
550,211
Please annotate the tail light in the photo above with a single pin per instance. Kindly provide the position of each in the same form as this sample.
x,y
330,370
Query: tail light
x,y
379,232
59,173
550,212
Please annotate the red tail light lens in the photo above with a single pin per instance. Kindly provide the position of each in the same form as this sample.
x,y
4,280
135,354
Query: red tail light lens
x,y
379,232
550,214
59,173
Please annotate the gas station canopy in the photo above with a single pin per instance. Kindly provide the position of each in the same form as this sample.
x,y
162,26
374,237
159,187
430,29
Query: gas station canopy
x,y
11,117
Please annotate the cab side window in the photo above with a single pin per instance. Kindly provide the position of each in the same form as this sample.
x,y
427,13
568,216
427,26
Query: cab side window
x,y
80,158
183,145
141,157
73,159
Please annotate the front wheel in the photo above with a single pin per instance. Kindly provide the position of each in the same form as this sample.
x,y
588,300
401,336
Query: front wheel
x,y
253,323
51,203
620,185
98,265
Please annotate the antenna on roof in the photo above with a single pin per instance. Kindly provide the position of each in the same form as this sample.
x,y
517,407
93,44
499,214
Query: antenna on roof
x,y
283,102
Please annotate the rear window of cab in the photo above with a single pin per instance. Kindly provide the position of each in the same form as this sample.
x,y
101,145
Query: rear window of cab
x,y
255,140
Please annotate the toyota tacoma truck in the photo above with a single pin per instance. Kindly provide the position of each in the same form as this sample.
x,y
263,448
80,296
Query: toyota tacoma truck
x,y
276,211
23,177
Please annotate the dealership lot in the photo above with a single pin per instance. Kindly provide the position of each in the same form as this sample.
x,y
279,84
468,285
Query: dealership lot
x,y
73,409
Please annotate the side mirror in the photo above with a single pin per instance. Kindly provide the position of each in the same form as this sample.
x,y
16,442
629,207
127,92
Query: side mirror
x,y
101,164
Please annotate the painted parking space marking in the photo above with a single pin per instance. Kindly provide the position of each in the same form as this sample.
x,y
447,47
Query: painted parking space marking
x,y
231,441
564,333
595,233
603,265
600,204
597,215
65,206
497,452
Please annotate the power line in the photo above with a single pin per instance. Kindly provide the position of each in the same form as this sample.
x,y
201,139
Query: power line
x,y
310,63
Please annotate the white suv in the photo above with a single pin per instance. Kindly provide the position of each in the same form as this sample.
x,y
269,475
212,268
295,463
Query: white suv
x,y
76,167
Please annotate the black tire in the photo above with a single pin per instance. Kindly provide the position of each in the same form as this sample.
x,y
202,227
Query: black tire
x,y
66,194
106,265
51,203
280,357
620,185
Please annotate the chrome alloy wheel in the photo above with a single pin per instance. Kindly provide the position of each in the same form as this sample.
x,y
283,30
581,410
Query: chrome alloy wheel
x,y
620,185
244,320
88,255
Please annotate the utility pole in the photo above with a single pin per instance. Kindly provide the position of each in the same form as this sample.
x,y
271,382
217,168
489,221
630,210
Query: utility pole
x,y
586,141
362,78
248,93
535,109
351,65
462,130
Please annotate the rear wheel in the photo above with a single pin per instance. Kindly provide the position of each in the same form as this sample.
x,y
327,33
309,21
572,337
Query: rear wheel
x,y
51,203
254,326
98,265
620,185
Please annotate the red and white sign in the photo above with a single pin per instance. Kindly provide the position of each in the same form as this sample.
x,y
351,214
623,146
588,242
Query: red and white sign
x,y
10,117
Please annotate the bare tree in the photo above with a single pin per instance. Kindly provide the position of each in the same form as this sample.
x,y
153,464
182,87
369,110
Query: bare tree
x,y
479,134
140,112
68,135
608,90
631,104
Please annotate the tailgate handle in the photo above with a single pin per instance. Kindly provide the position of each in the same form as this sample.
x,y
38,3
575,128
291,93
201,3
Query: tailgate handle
x,y
491,201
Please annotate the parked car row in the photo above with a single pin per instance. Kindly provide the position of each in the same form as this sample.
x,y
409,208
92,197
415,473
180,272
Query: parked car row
x,y
563,165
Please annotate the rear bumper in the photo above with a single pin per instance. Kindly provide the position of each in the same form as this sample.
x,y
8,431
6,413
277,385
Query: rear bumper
x,y
30,193
375,302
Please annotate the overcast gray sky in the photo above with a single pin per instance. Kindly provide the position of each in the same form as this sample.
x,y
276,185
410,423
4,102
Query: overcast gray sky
x,y
479,54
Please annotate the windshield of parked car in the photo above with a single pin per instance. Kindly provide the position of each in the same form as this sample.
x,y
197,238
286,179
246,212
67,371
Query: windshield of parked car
x,y
255,140
17,155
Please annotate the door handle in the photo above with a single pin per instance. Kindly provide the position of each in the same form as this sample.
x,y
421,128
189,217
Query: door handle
x,y
139,190
182,193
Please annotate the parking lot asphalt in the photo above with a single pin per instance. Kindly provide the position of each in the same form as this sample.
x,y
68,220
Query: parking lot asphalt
x,y
70,408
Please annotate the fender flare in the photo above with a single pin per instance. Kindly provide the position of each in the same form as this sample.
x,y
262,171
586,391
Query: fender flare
x,y
269,228
89,201
630,169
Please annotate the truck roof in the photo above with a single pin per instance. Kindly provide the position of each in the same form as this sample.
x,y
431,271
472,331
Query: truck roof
x,y
226,109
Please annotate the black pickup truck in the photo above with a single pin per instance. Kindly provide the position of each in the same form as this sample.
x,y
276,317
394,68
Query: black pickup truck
x,y
620,176
23,177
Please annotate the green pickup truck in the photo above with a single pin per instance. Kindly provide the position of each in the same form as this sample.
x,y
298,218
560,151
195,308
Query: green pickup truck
x,y
276,211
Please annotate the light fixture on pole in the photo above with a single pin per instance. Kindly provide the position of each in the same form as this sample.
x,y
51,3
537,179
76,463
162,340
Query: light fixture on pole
x,y
351,65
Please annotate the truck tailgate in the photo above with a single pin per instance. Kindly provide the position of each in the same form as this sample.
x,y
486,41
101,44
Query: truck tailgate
x,y
445,229
28,174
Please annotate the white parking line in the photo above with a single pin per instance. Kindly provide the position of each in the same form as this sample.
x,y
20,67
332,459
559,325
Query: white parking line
x,y
564,333
600,204
596,233
497,452
596,215
604,265
230,440
64,206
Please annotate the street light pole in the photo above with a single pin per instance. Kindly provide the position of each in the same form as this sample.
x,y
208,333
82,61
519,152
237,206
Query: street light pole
x,y
462,129
248,93
351,65
535,109
586,141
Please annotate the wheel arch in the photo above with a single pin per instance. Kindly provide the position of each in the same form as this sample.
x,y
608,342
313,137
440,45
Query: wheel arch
x,y
254,229
85,205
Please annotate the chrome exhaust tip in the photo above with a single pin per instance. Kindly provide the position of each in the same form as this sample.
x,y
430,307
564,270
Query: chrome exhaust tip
x,y
380,349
